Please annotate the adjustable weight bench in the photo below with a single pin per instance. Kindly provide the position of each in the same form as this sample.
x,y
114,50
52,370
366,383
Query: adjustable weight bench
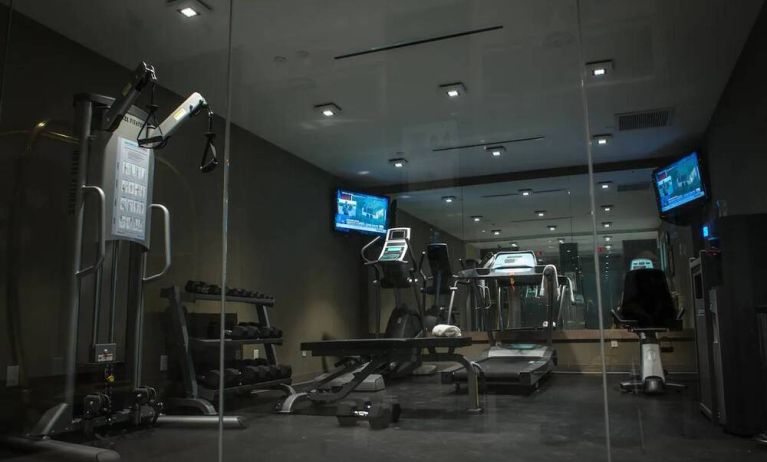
x,y
378,353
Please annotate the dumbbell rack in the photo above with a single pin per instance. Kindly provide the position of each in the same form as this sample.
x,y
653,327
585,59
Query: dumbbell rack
x,y
197,396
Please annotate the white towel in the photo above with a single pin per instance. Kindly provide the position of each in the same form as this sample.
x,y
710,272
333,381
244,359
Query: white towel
x,y
446,330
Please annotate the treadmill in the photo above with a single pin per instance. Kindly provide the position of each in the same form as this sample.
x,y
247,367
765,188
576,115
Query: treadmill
x,y
516,278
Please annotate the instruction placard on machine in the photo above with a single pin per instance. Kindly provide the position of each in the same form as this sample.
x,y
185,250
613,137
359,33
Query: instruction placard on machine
x,y
131,187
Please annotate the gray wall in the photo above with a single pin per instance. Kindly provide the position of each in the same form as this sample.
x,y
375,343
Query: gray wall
x,y
735,148
736,140
280,238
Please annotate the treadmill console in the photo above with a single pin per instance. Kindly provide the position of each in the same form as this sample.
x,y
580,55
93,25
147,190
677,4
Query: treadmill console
x,y
395,245
514,262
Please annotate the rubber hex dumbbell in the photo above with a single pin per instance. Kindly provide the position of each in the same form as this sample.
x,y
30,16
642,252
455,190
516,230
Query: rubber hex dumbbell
x,y
240,332
378,415
194,286
211,379
254,374
251,331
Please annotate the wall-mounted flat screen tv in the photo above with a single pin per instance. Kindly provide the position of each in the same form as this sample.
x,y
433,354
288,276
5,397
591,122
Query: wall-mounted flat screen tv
x,y
360,212
679,184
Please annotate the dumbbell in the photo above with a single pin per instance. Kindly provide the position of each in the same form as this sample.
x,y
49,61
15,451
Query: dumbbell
x,y
268,332
211,378
194,286
251,330
254,374
378,415
241,332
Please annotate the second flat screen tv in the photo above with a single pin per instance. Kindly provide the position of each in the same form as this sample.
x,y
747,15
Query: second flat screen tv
x,y
359,212
679,184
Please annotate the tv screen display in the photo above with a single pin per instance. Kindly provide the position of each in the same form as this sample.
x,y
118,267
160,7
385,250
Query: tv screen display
x,y
679,183
361,212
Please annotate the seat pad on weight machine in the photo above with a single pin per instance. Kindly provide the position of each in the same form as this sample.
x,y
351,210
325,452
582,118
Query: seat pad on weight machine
x,y
380,346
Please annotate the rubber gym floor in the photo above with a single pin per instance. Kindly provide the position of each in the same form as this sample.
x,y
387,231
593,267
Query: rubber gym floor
x,y
562,421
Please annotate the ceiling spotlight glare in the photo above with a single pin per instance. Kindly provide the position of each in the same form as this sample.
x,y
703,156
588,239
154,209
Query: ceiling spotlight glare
x,y
605,184
448,199
540,213
526,192
496,232
602,140
599,69
476,218
495,151
562,241
608,238
328,109
188,12
514,245
606,224
607,207
453,90
398,163
552,227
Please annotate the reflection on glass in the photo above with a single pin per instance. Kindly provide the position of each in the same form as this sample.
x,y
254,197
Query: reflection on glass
x,y
110,158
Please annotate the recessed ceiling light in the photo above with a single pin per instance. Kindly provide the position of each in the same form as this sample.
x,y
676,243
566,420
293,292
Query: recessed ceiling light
x,y
608,238
328,109
562,240
599,69
448,199
398,163
189,12
602,140
476,218
526,192
363,172
496,151
552,227
607,207
608,247
404,196
606,224
540,213
605,184
453,90
514,245
496,232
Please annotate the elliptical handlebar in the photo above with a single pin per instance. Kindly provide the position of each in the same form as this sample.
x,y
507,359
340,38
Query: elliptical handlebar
x,y
365,248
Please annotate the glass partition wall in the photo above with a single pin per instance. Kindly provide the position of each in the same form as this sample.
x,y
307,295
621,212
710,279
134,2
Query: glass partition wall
x,y
432,229
684,334
459,127
109,134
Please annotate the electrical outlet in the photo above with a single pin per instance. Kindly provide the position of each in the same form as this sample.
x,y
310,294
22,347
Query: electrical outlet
x,y
304,353
12,376
613,344
163,363
255,353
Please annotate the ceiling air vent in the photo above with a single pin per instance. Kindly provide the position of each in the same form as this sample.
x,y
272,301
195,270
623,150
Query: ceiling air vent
x,y
644,119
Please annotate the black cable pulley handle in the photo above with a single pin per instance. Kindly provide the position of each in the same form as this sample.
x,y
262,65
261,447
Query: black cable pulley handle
x,y
209,160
